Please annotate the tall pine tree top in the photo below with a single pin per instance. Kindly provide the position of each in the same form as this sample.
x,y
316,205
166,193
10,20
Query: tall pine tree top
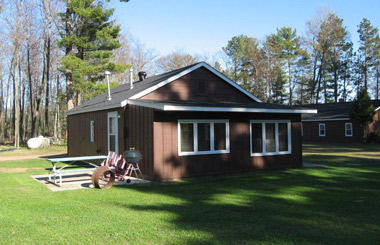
x,y
362,108
90,37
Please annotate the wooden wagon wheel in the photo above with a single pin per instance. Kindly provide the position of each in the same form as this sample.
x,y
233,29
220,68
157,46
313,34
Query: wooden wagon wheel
x,y
103,178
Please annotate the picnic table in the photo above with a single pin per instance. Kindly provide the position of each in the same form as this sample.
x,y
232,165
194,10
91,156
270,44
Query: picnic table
x,y
54,172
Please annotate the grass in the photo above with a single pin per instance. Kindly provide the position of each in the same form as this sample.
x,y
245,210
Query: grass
x,y
336,204
23,151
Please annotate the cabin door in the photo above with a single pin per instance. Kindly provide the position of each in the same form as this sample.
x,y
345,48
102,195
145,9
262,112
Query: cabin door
x,y
113,132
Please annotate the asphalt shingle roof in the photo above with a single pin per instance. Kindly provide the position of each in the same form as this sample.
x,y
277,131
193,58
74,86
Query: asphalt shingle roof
x,y
331,110
124,92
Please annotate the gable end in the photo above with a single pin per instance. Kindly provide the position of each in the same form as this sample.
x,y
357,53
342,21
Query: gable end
x,y
202,83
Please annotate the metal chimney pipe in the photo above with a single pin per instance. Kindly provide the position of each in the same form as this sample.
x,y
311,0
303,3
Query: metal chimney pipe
x,y
131,78
108,73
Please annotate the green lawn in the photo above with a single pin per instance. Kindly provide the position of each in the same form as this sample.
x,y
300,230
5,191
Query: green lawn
x,y
336,204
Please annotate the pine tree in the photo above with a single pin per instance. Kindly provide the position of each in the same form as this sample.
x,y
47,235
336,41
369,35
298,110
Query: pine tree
x,y
289,50
368,35
90,38
362,109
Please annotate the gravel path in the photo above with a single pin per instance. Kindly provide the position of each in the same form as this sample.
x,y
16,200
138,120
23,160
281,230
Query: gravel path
x,y
12,158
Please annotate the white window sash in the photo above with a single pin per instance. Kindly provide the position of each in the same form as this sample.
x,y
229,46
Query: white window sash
x,y
346,130
277,137
324,129
195,137
92,133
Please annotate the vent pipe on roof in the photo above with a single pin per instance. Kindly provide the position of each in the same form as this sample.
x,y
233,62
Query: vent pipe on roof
x,y
142,75
131,78
108,73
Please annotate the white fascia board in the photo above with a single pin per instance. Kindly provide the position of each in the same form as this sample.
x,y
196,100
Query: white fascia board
x,y
187,71
215,109
323,120
377,108
234,109
101,108
146,104
163,83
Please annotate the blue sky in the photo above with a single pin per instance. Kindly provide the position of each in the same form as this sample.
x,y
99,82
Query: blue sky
x,y
204,27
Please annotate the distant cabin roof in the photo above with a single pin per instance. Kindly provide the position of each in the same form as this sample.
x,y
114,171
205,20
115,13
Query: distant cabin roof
x,y
331,111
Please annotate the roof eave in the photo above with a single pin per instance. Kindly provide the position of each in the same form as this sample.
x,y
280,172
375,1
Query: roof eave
x,y
164,107
100,108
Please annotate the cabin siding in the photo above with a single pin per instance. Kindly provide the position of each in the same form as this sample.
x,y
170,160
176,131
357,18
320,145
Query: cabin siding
x,y
335,132
186,88
79,133
168,165
138,130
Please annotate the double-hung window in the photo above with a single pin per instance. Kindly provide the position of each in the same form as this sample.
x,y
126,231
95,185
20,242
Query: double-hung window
x,y
322,129
348,129
197,137
270,137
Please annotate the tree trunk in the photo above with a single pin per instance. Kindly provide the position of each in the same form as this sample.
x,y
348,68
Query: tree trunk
x,y
31,101
290,83
22,105
2,109
319,77
377,82
69,78
46,4
335,84
313,85
17,100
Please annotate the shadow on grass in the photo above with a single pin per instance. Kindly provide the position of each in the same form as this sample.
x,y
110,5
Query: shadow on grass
x,y
329,205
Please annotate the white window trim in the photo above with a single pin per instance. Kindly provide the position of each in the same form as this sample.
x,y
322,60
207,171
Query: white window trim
x,y
319,129
113,114
345,130
92,130
195,137
276,122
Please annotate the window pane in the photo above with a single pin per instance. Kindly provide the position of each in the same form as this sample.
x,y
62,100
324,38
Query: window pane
x,y
112,125
204,136
112,143
187,137
349,129
92,123
270,142
322,129
283,136
257,137
220,136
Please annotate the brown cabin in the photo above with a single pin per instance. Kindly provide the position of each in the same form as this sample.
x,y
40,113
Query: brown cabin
x,y
332,124
193,121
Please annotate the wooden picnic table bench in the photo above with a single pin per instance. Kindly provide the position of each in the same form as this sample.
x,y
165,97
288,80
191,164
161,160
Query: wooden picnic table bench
x,y
54,172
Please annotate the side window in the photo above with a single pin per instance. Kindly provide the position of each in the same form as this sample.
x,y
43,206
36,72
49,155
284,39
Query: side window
x,y
92,128
348,129
197,137
270,137
322,129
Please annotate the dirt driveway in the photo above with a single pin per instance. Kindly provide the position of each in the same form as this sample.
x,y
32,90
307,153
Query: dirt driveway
x,y
12,158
